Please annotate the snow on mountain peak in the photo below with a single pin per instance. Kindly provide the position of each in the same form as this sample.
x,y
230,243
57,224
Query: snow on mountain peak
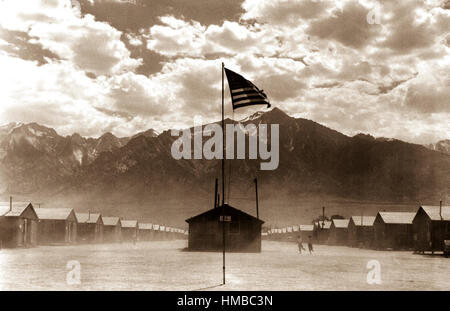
x,y
252,117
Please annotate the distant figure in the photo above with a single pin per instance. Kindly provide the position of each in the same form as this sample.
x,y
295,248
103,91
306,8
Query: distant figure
x,y
300,244
310,245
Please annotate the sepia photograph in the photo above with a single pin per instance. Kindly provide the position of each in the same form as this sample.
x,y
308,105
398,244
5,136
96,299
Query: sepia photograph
x,y
224,146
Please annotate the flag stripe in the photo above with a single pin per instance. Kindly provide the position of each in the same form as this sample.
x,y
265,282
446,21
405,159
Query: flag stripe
x,y
245,89
253,100
259,102
253,92
245,95
238,101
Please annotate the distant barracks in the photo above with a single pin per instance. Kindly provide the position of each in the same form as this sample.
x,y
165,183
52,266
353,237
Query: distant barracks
x,y
426,230
23,225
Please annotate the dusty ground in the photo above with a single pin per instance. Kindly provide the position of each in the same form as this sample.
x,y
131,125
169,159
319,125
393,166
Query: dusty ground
x,y
164,266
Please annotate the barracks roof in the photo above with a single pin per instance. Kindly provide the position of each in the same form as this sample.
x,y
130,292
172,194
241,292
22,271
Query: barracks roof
x,y
365,221
145,226
218,212
59,213
129,223
88,218
306,227
397,217
110,221
433,212
17,208
341,223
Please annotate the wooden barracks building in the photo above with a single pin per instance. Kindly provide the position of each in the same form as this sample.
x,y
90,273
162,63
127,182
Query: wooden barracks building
x,y
393,230
360,231
431,227
145,232
18,225
242,231
57,225
90,227
338,232
112,229
322,231
130,230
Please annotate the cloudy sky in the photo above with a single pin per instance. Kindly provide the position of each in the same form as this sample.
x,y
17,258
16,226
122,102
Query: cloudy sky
x,y
91,66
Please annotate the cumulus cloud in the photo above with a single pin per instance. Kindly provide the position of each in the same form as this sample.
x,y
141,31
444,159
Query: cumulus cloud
x,y
349,26
56,25
411,27
430,91
134,40
279,77
21,44
178,38
349,110
60,95
283,11
55,94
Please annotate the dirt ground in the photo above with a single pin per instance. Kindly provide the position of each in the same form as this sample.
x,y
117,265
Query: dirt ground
x,y
165,266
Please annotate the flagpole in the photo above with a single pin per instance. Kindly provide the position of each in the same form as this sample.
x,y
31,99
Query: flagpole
x,y
223,141
223,180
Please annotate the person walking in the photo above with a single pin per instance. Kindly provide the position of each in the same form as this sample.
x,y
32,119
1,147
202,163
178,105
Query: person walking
x,y
300,244
310,245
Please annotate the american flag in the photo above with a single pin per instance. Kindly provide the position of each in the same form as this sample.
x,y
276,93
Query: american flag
x,y
243,92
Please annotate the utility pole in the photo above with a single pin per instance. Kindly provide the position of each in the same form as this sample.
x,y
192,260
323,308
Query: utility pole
x,y
323,216
362,216
39,204
256,189
215,193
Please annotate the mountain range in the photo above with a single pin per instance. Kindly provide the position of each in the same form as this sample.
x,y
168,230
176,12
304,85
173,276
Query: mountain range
x,y
137,176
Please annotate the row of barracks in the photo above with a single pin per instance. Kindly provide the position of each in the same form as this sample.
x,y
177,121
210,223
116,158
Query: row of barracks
x,y
22,225
422,231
